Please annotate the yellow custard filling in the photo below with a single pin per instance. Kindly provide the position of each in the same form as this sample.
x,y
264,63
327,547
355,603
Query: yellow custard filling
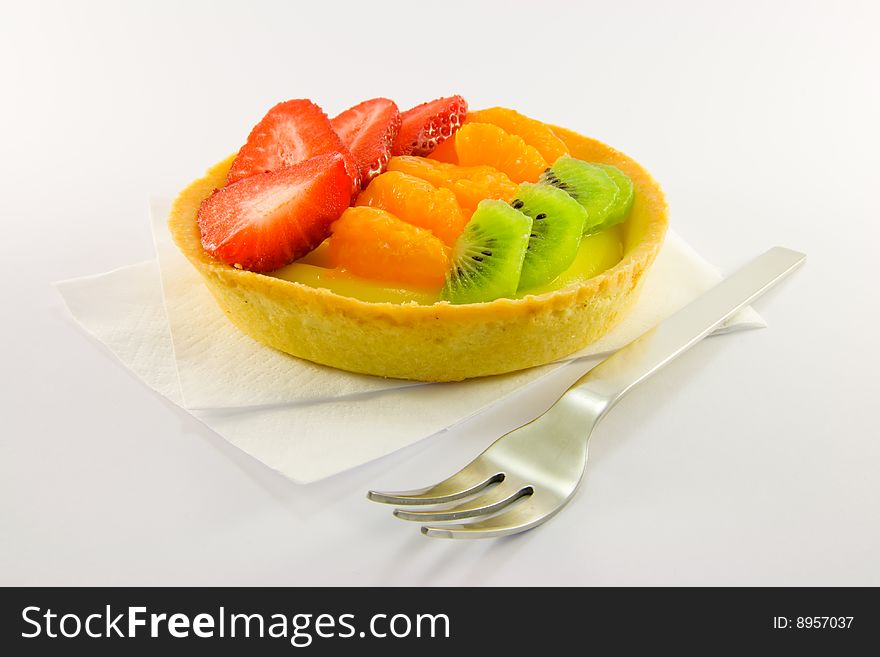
x,y
597,253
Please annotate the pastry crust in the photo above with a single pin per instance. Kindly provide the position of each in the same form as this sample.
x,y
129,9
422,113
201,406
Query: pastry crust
x,y
441,342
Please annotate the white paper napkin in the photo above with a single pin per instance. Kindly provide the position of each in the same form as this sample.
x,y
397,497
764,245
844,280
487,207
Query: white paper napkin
x,y
305,420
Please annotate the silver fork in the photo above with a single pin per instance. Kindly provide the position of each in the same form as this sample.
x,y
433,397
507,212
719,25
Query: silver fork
x,y
528,475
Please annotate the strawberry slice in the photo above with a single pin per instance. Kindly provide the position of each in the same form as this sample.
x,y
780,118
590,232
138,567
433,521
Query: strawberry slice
x,y
270,219
291,132
368,130
428,125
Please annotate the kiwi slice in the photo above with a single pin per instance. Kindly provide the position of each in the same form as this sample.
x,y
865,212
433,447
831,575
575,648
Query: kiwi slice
x,y
589,184
488,255
623,203
557,225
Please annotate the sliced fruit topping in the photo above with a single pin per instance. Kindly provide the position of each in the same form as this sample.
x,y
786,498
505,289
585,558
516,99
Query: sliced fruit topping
x,y
533,132
417,202
484,143
623,203
375,244
557,226
469,184
445,152
291,132
589,184
270,219
368,131
488,257
426,126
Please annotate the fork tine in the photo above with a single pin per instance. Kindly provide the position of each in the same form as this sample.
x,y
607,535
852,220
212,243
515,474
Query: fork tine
x,y
522,517
469,480
496,499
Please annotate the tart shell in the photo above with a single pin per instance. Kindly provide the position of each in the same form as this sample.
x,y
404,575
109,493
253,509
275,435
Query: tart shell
x,y
440,342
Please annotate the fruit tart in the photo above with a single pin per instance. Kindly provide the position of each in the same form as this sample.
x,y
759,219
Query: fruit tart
x,y
434,244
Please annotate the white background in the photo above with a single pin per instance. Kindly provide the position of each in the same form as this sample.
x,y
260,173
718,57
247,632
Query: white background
x,y
752,460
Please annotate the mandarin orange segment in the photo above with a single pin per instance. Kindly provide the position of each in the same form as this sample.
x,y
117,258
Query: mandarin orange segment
x,y
376,245
469,184
533,132
487,144
445,152
416,201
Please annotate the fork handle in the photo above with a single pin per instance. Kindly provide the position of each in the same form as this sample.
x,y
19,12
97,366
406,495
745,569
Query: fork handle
x,y
606,383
